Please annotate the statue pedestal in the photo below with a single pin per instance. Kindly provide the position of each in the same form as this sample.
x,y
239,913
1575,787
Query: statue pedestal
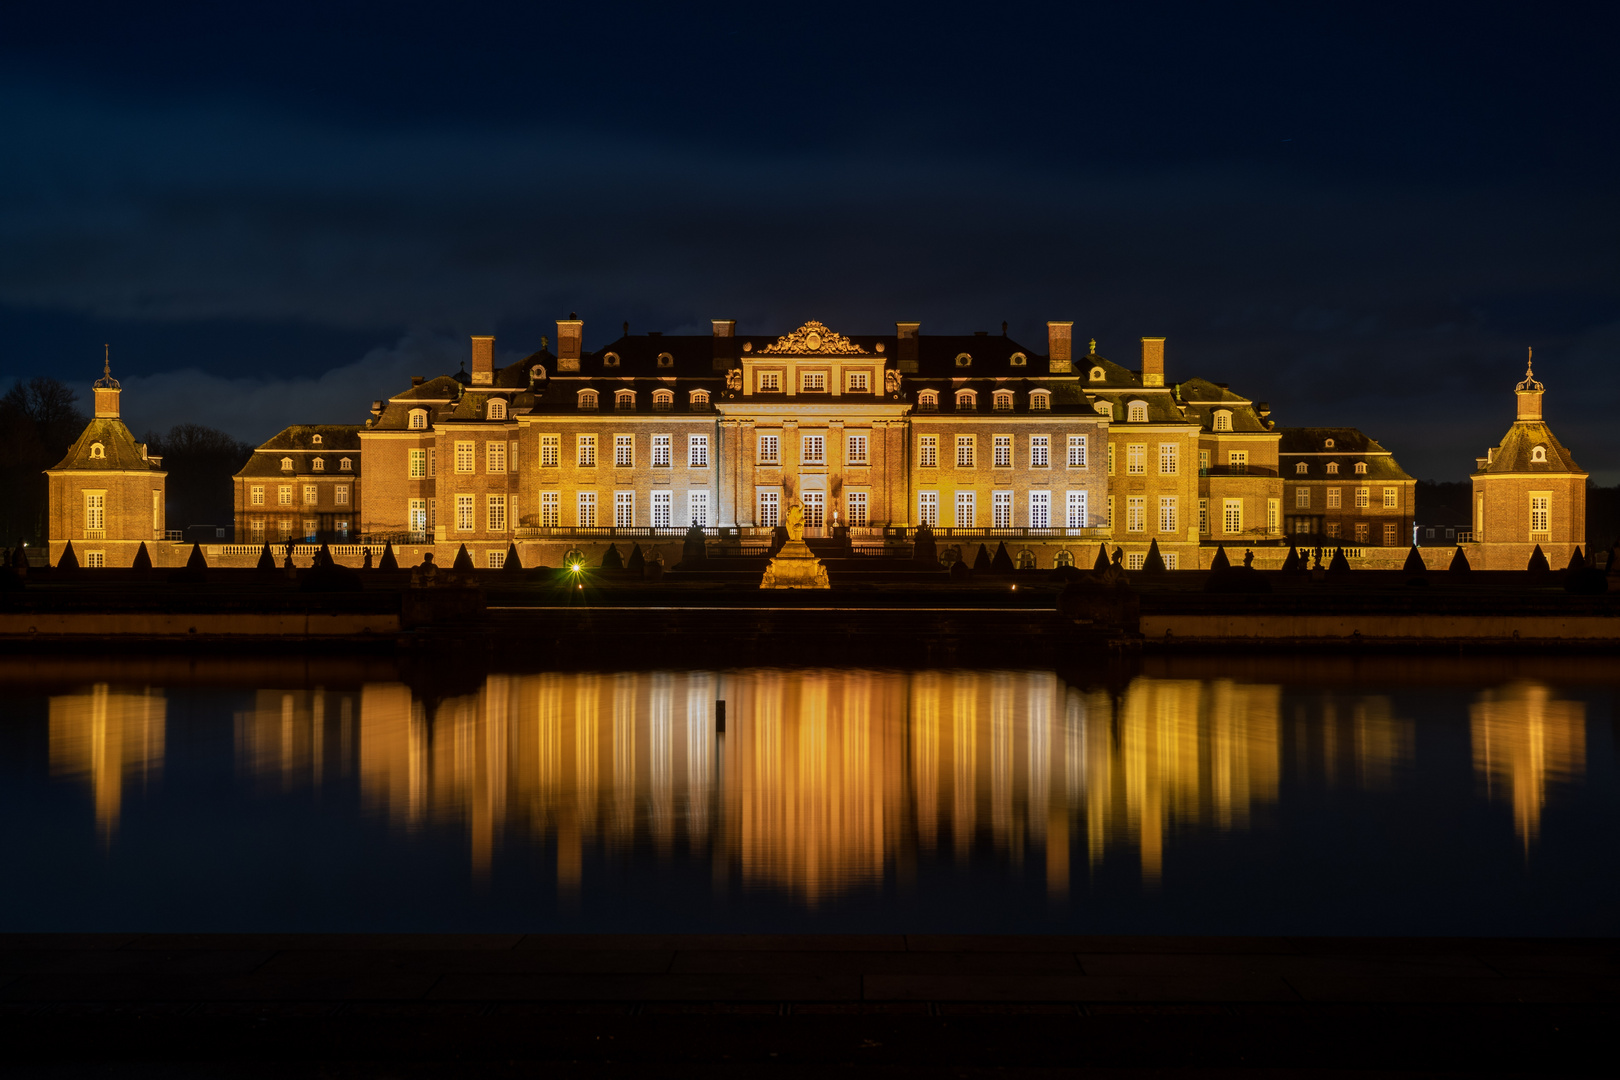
x,y
795,567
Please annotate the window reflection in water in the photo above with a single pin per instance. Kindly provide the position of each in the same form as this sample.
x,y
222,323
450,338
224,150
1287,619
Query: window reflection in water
x,y
106,737
1525,740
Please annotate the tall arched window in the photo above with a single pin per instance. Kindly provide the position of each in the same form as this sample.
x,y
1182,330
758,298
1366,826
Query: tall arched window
x,y
496,409
1040,400
418,419
624,400
700,399
587,399
1003,401
928,401
663,400
1105,408
1138,413
1223,420
967,400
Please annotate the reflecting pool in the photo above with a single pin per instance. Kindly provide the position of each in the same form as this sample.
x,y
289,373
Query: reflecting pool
x,y
1259,798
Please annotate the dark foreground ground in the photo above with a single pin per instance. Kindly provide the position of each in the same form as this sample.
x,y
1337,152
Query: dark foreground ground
x,y
515,1005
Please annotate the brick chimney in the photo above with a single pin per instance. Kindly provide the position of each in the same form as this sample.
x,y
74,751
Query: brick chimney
x,y
725,344
906,354
1060,347
483,361
570,331
1153,361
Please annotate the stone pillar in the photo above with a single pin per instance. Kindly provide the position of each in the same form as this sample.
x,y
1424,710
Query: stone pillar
x,y
748,449
790,462
836,449
726,475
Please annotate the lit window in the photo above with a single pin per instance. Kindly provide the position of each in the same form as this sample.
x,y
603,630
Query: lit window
x,y
1003,401
814,450
769,450
964,451
464,457
661,457
1136,459
1040,401
1001,509
1169,459
813,382
1135,514
1075,509
964,510
928,451
587,400
550,451
495,513
700,399
496,410
1223,420
1077,451
1392,498
663,400
1540,513
1138,412
928,508
495,457
1273,514
95,510
1167,513
1040,449
418,464
587,509
856,449
1238,461
770,505
495,559
1040,509
624,509
697,452
1002,452
662,509
624,455
586,458
96,560
697,508
464,513
1105,408
549,513
1232,515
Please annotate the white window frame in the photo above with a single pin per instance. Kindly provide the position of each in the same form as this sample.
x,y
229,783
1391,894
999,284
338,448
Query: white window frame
x,y
585,452
1001,508
1136,459
1168,514
770,449
1075,509
1335,498
415,514
928,508
856,448
697,507
495,456
624,451
928,451
312,494
256,495
663,509
585,508
812,382
340,495
1001,451
465,512
1302,498
1135,513
1040,509
1540,513
624,509
663,457
1169,459
697,452
464,456
769,501
966,451
813,450
855,508
1077,451
495,513
1040,451
1232,516
550,451
417,461
550,509
966,509
1392,498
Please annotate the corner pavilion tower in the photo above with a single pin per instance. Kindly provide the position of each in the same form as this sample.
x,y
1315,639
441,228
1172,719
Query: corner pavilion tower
x,y
106,495
1528,491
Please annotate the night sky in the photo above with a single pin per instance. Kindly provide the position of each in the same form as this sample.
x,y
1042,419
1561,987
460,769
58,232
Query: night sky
x,y
1362,214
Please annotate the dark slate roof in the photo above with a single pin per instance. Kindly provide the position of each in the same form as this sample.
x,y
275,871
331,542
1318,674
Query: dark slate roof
x,y
302,437
119,446
1349,447
1512,455
1115,377
338,441
1202,398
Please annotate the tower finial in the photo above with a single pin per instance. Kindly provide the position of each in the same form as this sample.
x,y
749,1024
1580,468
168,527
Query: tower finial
x,y
106,361
1530,356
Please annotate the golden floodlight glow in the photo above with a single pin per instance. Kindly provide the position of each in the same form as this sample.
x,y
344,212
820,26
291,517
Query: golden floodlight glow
x,y
1525,741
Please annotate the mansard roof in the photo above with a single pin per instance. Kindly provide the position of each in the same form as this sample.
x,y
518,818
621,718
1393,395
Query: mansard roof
x,y
1202,399
120,450
1515,453
303,436
1350,445
297,444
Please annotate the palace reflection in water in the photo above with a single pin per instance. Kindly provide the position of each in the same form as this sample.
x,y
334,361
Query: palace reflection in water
x,y
826,779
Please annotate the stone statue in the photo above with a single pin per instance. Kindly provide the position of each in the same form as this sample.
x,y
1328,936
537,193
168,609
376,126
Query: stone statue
x,y
891,381
794,565
1248,560
795,522
734,379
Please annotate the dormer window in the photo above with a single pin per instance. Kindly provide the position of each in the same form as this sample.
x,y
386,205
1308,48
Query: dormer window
x,y
928,401
97,450
700,399
813,382
770,382
320,464
1302,468
345,464
1327,444
1538,454
663,400
587,400
1040,400
624,400
1018,359
665,360
1098,374
859,382
1361,467
610,359
418,420
966,400
1137,413
1105,408
964,360
1333,468
537,373
286,464
1003,401
1222,420
315,439
496,409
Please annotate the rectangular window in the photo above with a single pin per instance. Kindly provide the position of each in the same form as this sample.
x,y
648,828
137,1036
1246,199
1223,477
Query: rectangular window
x,y
284,526
418,515
587,452
309,528
1075,510
1169,459
257,529
1333,498
1110,512
1135,559
495,559
624,451
550,451
697,452
858,382
495,457
258,495
495,513
1135,514
769,450
464,457
815,507
856,449
1361,498
587,509
1273,514
928,508
95,510
1540,512
1136,459
1167,513
433,513
1389,533
1169,558
1001,509
661,452
284,495
1392,498
1203,462
550,517
1361,532
1302,498
928,451
1001,451
815,450
855,507
697,507
340,495
813,381
964,451
1232,515
662,507
464,513
1077,451
1203,517
1040,451
1333,530
1110,459
312,494
964,510
1238,460
770,509
1040,509
96,560
624,509
770,381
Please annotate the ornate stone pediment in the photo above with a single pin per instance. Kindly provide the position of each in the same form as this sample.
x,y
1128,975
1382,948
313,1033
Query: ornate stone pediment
x,y
813,339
